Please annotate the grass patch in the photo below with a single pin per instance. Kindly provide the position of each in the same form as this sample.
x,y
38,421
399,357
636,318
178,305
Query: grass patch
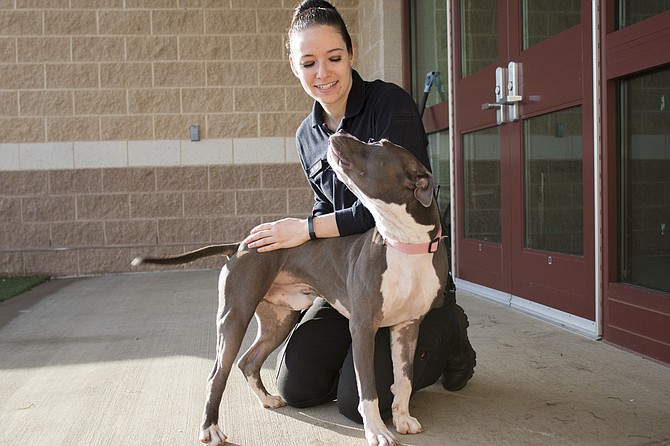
x,y
11,286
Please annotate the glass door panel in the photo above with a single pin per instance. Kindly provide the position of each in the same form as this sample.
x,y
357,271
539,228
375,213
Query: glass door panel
x,y
481,175
644,173
479,35
429,49
554,182
439,153
525,206
633,11
543,19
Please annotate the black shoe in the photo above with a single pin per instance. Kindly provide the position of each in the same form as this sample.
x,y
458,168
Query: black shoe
x,y
462,357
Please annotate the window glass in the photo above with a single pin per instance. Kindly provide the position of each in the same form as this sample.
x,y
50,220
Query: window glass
x,y
553,182
479,35
429,35
644,180
633,11
481,172
439,161
543,19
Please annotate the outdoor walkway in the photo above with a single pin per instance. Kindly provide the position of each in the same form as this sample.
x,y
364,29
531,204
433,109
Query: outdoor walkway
x,y
122,360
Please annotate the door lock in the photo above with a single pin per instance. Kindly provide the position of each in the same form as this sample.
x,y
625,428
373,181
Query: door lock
x,y
507,93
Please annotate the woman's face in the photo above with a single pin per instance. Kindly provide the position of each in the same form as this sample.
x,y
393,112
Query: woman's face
x,y
319,58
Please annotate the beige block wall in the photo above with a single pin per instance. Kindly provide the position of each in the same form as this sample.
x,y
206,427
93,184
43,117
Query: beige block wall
x,y
96,101
379,53
137,70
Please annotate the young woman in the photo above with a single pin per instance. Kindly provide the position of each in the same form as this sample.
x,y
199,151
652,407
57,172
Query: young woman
x,y
316,364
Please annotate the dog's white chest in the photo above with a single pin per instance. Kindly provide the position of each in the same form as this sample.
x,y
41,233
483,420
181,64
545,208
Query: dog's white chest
x,y
409,286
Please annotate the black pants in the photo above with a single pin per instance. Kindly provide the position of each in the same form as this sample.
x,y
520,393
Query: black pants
x,y
316,365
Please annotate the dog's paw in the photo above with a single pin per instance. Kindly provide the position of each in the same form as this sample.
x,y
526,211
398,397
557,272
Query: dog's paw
x,y
380,436
272,401
212,436
407,424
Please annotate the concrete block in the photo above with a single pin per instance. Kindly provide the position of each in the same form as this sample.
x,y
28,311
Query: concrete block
x,y
234,177
70,22
100,102
89,154
184,230
55,155
154,153
97,49
232,74
42,103
141,48
156,205
124,22
179,74
73,129
132,127
258,150
103,207
232,125
127,75
9,157
208,203
204,47
21,77
132,179
179,21
75,181
208,151
187,178
71,76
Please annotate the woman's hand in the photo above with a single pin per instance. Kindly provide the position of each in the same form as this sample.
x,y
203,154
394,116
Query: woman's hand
x,y
284,233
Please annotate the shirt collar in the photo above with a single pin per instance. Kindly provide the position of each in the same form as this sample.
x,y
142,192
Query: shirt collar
x,y
355,101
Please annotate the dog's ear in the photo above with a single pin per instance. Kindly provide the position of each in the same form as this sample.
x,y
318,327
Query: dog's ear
x,y
423,190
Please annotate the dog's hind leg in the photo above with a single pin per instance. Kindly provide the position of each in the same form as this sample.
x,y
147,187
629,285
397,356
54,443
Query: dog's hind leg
x,y
403,346
236,309
274,324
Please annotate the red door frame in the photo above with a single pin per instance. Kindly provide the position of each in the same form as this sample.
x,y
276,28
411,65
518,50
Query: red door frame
x,y
572,296
552,79
635,318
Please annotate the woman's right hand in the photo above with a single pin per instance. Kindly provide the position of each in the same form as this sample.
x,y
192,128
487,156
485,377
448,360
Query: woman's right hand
x,y
280,234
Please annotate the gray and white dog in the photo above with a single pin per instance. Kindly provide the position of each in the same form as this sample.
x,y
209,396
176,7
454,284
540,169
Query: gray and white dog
x,y
390,276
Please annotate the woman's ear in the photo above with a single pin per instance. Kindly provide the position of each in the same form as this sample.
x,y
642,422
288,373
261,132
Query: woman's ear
x,y
290,62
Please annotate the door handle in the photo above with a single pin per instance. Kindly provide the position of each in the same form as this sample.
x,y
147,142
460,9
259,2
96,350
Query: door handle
x,y
507,100
501,85
514,90
507,94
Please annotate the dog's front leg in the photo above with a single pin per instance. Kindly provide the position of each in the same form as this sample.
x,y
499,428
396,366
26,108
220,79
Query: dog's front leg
x,y
363,346
403,346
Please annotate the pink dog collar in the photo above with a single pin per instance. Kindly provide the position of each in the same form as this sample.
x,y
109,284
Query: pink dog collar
x,y
417,248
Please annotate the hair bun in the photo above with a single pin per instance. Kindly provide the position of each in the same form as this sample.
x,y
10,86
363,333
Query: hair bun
x,y
309,4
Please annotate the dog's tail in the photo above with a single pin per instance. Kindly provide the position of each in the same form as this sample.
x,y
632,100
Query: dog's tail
x,y
226,249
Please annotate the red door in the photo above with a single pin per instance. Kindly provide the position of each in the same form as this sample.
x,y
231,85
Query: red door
x,y
636,175
524,151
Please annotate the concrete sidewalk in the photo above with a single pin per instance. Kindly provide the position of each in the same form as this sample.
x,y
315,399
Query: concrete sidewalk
x,y
122,360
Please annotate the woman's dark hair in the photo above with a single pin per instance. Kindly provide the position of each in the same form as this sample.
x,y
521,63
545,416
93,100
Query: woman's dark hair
x,y
318,12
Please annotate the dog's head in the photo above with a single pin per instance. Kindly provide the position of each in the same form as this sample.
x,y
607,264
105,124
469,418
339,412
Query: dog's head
x,y
382,174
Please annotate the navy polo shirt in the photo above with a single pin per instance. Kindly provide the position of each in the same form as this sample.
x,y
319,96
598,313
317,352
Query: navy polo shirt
x,y
375,110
